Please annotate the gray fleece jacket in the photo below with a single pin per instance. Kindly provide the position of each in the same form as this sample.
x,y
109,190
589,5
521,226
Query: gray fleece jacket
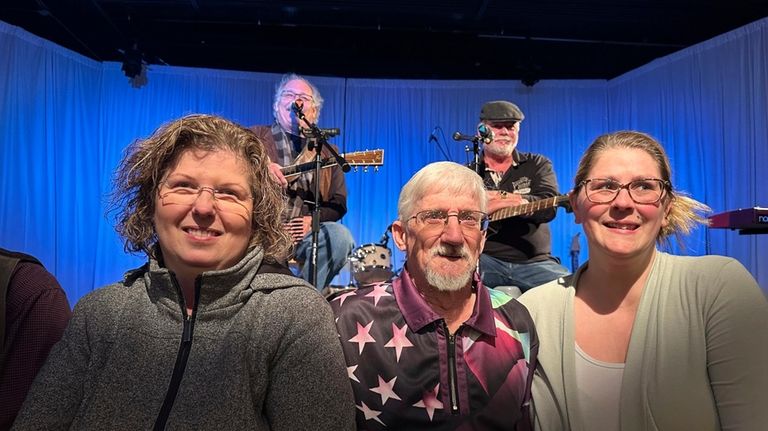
x,y
264,356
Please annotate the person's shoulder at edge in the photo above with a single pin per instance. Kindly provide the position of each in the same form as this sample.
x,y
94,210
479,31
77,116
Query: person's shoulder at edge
x,y
43,279
545,293
32,282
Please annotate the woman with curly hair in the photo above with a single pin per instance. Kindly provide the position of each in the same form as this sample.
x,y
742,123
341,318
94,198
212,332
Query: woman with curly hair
x,y
211,333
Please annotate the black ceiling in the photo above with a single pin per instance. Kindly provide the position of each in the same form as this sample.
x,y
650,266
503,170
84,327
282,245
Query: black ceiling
x,y
441,39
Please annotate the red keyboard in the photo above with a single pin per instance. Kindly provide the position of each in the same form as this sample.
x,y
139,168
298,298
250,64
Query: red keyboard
x,y
747,220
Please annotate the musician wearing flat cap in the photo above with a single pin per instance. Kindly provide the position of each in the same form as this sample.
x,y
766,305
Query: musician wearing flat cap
x,y
518,249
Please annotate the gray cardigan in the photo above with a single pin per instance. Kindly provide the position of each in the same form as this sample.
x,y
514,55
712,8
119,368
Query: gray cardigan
x,y
264,355
697,357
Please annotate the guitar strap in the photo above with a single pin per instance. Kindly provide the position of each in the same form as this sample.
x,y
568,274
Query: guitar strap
x,y
325,174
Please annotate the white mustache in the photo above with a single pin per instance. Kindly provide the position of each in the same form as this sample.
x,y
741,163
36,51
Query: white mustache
x,y
450,250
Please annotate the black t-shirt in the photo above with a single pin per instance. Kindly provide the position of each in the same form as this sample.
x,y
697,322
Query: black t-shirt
x,y
523,239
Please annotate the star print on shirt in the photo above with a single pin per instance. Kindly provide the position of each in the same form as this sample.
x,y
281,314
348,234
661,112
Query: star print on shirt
x,y
386,389
399,341
430,402
351,373
496,360
341,298
378,291
363,336
370,413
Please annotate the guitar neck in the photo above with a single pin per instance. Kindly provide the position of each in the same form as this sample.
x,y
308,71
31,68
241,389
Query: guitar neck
x,y
530,207
373,158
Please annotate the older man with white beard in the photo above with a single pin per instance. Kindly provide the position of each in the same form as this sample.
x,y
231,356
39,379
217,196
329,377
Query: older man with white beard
x,y
518,251
287,144
435,349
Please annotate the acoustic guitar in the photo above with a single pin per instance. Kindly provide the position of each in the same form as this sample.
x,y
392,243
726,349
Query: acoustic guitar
x,y
366,159
532,207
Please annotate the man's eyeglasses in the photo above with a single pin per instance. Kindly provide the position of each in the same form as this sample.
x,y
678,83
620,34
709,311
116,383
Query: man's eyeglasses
x,y
468,220
186,193
643,191
290,95
509,125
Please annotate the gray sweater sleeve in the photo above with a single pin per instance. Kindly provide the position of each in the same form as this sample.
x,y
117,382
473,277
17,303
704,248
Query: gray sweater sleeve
x,y
56,394
309,387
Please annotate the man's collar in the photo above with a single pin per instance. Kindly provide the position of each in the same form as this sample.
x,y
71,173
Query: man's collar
x,y
418,313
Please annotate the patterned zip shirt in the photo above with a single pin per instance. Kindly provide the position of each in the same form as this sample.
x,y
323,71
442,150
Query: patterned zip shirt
x,y
408,372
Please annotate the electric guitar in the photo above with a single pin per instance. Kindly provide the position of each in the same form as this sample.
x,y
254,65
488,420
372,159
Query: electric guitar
x,y
532,207
366,158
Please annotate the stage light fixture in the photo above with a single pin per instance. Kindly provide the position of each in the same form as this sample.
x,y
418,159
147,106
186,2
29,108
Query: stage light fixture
x,y
135,67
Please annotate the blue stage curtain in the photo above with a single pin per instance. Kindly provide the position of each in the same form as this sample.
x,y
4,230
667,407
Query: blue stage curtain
x,y
709,107
65,121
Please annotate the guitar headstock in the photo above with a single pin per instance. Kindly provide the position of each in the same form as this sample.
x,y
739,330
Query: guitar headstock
x,y
366,158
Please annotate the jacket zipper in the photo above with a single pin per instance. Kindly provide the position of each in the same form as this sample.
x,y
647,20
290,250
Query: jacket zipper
x,y
182,355
453,386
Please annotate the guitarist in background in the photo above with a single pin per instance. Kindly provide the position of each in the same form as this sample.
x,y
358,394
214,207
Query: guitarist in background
x,y
518,249
286,145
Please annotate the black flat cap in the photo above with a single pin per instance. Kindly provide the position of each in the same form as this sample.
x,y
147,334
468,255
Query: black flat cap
x,y
501,110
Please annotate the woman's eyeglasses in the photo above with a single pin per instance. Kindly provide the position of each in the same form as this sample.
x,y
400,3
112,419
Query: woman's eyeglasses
x,y
643,191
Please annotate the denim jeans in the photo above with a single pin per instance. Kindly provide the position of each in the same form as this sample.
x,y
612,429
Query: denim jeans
x,y
334,243
495,272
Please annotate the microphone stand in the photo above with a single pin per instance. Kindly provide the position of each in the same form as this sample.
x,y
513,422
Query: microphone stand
x,y
320,142
385,238
575,249
458,136
476,152
484,135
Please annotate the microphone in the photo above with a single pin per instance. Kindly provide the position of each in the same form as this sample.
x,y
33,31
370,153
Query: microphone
x,y
486,134
458,136
297,106
330,132
432,136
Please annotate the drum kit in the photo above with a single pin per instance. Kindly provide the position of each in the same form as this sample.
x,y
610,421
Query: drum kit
x,y
371,264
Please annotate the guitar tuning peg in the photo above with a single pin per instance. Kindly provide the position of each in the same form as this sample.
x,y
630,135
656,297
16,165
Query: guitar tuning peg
x,y
375,169
365,168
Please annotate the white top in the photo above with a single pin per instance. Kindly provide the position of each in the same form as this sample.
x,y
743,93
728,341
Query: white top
x,y
696,358
599,390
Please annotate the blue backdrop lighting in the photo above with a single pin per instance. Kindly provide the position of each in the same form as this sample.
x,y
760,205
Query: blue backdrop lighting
x,y
65,121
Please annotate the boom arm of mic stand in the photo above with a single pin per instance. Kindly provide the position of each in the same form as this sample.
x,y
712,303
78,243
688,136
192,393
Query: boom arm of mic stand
x,y
322,139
